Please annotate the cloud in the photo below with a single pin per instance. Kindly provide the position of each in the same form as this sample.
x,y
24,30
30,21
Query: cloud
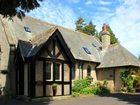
x,y
130,2
126,25
103,2
98,19
104,10
89,2
73,1
81,10
55,12
123,17
98,2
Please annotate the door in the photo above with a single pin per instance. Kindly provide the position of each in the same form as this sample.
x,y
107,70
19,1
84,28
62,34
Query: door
x,y
20,80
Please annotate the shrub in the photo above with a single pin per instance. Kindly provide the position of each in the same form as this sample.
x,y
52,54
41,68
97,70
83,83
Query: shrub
x,y
101,89
78,85
87,90
127,80
75,94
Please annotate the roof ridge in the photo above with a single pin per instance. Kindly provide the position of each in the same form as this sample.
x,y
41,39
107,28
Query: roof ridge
x,y
45,22
41,36
59,26
74,31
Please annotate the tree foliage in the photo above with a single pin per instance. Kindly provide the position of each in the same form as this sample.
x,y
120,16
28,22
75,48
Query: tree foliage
x,y
85,28
112,35
127,80
79,24
89,29
10,8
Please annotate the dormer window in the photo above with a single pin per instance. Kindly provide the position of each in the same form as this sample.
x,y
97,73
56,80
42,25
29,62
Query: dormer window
x,y
27,29
86,50
93,45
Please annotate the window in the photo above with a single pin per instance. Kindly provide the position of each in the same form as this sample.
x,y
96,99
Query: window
x,y
48,71
27,29
88,71
57,71
93,44
87,50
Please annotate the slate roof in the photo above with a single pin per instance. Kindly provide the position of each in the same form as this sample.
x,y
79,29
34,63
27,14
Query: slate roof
x,y
76,41
30,48
116,55
15,28
31,42
71,38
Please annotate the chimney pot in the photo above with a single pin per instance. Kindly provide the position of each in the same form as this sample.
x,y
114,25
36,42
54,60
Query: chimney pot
x,y
104,28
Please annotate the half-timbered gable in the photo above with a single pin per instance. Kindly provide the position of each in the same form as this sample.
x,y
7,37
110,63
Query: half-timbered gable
x,y
50,64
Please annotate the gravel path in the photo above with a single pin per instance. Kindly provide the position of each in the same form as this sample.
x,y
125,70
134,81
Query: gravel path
x,y
113,99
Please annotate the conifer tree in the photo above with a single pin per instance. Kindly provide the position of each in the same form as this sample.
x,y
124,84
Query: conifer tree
x,y
112,35
89,29
80,24
85,28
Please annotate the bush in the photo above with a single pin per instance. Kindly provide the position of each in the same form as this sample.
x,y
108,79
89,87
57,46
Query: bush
x,y
75,94
79,85
101,89
87,90
128,80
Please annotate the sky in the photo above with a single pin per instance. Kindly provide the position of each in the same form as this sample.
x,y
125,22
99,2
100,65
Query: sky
x,y
123,16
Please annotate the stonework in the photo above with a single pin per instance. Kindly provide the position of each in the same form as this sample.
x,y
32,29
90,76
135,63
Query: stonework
x,y
105,40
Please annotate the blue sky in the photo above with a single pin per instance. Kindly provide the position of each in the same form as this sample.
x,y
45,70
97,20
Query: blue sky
x,y
122,15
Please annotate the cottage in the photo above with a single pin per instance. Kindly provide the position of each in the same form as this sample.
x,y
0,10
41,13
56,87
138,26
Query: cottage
x,y
39,55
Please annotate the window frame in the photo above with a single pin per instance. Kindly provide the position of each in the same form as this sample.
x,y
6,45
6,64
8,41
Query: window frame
x,y
60,71
87,50
51,71
27,29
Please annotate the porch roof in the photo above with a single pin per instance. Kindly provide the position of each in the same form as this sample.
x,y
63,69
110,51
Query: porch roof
x,y
116,56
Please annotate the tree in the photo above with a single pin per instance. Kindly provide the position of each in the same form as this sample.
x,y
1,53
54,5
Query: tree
x,y
80,24
89,29
113,38
85,28
10,8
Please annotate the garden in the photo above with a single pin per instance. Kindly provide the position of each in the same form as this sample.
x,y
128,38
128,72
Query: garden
x,y
130,81
130,84
84,87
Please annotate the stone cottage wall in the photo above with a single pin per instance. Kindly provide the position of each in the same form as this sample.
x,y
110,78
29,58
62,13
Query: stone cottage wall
x,y
106,74
83,68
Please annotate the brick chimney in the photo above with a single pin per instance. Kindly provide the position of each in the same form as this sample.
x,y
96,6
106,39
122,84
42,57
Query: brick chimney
x,y
105,37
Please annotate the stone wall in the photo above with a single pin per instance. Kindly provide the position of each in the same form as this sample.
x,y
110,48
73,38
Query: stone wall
x,y
106,74
80,69
118,82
